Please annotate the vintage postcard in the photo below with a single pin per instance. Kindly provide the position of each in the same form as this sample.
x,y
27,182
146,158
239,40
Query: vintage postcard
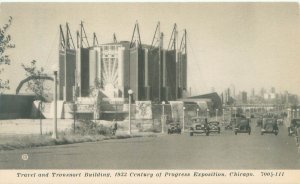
x,y
161,92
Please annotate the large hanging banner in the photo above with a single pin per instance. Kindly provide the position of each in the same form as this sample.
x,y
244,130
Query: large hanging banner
x,y
143,110
177,110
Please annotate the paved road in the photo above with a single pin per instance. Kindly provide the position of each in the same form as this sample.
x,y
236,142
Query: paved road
x,y
223,151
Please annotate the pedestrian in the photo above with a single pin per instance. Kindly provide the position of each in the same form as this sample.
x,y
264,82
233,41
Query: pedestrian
x,y
115,126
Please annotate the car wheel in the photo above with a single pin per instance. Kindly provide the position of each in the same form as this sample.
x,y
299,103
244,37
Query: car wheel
x,y
249,132
207,133
235,133
219,130
276,133
191,134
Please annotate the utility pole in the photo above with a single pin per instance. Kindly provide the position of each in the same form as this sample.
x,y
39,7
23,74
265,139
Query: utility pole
x,y
54,135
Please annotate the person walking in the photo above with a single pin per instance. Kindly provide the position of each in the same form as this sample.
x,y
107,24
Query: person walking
x,y
115,127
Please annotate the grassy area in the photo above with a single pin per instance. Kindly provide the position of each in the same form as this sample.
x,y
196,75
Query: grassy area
x,y
86,131
29,141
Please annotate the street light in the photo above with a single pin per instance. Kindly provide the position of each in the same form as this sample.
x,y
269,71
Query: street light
x,y
235,110
207,113
289,113
197,112
293,114
130,92
183,119
54,135
217,114
163,116
223,111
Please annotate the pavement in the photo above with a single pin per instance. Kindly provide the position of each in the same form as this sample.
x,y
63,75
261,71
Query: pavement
x,y
217,151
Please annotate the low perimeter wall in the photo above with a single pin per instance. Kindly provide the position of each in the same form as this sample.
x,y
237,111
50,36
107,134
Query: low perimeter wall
x,y
15,106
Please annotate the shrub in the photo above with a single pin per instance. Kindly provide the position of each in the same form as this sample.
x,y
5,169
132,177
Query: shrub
x,y
89,127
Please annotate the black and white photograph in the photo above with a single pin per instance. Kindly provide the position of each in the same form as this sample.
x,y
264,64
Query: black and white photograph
x,y
149,86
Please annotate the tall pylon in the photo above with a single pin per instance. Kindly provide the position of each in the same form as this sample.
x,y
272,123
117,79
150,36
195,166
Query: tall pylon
x,y
62,41
95,40
136,38
157,41
82,37
173,40
115,38
69,39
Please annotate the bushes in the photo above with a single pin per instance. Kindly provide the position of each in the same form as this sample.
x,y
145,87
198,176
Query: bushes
x,y
89,127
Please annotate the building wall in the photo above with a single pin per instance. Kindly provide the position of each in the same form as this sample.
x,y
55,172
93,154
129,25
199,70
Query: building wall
x,y
61,74
154,75
170,89
93,59
66,74
70,67
84,70
137,73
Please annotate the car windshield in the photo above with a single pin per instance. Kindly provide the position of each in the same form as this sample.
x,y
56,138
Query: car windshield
x,y
201,121
243,122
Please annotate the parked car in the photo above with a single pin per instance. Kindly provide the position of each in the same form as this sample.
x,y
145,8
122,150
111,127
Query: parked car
x,y
280,122
259,122
214,126
242,125
269,125
292,129
199,126
174,128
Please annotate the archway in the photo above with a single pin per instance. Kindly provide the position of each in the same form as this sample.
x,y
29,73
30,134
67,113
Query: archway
x,y
31,78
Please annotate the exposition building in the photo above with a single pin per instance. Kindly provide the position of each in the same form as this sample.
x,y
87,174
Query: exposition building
x,y
152,72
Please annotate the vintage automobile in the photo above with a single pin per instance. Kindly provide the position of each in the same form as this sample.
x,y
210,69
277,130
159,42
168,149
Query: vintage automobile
x,y
214,126
242,125
259,122
292,129
199,126
174,128
280,122
269,125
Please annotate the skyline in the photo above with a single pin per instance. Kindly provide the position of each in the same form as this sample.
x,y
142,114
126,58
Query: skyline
x,y
222,37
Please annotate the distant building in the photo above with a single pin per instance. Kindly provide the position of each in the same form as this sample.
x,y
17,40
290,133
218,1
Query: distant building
x,y
244,97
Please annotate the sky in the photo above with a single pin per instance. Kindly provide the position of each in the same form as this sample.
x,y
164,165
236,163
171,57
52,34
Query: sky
x,y
248,45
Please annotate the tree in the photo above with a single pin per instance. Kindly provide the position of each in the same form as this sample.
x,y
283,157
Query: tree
x,y
37,85
5,43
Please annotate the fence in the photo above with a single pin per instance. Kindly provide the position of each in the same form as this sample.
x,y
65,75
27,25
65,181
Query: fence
x,y
147,116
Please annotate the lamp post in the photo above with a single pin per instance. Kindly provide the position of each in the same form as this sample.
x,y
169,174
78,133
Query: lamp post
x,y
217,114
183,108
223,110
130,92
235,110
207,113
293,114
197,112
54,135
163,116
289,113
